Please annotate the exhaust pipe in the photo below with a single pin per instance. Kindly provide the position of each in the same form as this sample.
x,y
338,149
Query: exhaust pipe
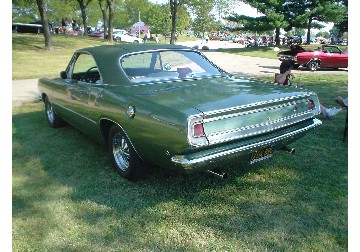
x,y
216,172
288,150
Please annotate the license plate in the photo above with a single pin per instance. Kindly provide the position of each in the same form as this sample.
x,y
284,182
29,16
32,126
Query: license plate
x,y
262,154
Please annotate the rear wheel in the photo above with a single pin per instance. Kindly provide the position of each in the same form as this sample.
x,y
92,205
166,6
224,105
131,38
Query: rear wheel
x,y
53,119
125,159
313,65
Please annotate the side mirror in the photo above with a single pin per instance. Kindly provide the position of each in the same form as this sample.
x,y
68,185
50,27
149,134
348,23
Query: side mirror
x,y
63,75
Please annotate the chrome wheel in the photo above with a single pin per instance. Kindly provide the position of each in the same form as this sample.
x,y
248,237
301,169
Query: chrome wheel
x,y
52,118
123,156
313,65
50,113
121,152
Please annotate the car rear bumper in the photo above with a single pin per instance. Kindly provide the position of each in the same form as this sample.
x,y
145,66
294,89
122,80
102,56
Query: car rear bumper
x,y
218,156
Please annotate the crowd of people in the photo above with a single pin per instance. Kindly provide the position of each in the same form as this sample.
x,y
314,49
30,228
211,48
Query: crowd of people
x,y
67,29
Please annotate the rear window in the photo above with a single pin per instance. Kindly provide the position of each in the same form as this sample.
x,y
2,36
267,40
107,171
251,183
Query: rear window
x,y
167,65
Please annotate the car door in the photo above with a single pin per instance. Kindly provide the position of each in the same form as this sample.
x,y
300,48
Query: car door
x,y
333,57
83,85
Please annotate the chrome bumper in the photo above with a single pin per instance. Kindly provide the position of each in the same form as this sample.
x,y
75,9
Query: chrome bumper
x,y
206,159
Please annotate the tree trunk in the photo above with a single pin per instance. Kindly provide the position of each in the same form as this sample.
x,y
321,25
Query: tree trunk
x,y
174,12
308,31
83,7
111,4
104,7
277,35
45,23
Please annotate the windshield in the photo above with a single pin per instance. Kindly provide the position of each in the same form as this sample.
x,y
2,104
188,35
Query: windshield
x,y
167,65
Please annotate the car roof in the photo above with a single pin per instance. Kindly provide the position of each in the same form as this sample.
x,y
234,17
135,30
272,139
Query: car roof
x,y
107,57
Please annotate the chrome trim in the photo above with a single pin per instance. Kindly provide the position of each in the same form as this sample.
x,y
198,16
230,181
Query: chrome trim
x,y
75,113
195,141
297,97
263,128
187,163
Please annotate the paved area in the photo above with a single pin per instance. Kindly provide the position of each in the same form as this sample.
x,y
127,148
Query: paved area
x,y
24,90
235,64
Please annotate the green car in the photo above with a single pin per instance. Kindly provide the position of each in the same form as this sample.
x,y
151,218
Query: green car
x,y
169,106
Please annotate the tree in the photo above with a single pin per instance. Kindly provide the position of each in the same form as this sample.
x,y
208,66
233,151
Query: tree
x,y
83,7
307,13
158,18
274,16
104,9
174,7
184,19
204,20
45,23
342,25
111,6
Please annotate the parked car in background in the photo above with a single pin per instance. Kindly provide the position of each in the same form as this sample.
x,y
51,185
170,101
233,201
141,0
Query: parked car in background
x,y
170,107
97,34
120,36
327,56
291,54
216,37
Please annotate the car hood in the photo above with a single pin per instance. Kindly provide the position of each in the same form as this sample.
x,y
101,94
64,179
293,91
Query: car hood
x,y
211,94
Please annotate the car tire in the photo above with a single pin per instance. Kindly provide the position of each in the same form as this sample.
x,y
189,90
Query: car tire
x,y
123,156
313,65
52,118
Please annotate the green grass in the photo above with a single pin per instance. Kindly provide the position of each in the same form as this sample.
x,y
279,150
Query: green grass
x,y
67,197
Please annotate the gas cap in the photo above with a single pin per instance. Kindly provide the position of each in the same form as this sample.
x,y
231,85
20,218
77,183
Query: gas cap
x,y
131,111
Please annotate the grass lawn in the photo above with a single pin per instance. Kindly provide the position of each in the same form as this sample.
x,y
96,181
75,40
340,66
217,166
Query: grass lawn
x,y
67,197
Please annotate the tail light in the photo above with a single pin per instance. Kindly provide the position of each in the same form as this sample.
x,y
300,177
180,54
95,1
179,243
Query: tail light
x,y
198,130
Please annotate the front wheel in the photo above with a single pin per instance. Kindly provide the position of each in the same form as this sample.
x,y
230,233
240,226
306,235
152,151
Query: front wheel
x,y
53,119
313,65
125,159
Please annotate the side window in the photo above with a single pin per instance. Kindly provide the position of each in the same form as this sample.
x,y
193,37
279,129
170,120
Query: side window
x,y
85,69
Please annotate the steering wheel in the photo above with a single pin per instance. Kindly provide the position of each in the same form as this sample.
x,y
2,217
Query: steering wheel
x,y
88,71
91,77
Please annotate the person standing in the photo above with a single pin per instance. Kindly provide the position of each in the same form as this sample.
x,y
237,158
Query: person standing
x,y
145,36
64,24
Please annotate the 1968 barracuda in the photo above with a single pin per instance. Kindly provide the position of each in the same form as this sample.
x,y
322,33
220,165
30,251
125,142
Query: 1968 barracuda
x,y
169,106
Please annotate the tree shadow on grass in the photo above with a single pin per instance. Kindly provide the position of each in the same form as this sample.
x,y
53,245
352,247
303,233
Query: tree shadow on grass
x,y
284,203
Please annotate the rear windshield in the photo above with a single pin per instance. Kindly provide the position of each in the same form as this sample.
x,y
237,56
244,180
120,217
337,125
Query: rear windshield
x,y
167,65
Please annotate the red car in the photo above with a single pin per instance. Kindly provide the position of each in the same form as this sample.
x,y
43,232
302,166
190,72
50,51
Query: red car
x,y
329,56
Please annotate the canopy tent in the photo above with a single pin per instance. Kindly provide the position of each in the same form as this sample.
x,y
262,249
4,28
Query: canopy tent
x,y
139,26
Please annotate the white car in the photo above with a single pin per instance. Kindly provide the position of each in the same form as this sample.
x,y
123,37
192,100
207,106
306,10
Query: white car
x,y
123,36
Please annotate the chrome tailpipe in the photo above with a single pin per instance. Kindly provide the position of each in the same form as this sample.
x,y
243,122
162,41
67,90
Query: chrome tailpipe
x,y
288,150
218,173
